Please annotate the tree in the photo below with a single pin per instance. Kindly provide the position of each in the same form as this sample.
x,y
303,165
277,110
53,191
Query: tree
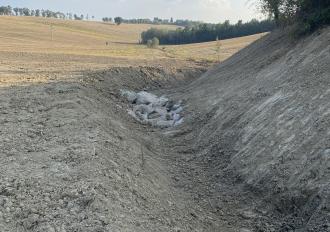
x,y
26,12
272,7
5,10
306,15
16,10
207,32
38,13
118,20
9,10
76,17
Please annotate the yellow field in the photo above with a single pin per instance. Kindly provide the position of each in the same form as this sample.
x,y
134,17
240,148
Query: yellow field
x,y
36,49
39,35
52,36
211,51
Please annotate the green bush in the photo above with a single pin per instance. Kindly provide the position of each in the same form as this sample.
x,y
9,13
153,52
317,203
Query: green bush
x,y
306,15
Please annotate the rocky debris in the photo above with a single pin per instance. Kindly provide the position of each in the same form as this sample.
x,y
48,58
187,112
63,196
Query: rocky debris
x,y
152,110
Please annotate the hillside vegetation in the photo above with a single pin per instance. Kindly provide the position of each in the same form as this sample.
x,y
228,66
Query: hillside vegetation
x,y
305,15
205,32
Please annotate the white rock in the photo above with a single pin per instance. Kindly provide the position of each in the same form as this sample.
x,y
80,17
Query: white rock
x,y
178,110
143,109
180,121
146,98
153,110
176,117
131,96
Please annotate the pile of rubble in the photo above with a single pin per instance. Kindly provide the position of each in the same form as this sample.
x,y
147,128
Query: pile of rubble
x,y
152,110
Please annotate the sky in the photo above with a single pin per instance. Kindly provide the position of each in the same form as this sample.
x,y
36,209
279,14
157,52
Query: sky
x,y
213,11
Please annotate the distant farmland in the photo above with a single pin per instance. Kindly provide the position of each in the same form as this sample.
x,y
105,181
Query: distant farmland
x,y
37,49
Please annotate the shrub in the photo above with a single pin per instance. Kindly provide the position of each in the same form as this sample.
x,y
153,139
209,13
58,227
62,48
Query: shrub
x,y
149,43
153,43
118,20
306,15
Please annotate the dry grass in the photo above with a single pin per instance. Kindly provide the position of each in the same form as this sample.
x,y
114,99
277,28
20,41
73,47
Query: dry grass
x,y
30,34
35,49
209,51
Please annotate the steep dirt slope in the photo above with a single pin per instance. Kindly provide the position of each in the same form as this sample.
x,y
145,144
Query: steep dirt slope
x,y
262,119
72,160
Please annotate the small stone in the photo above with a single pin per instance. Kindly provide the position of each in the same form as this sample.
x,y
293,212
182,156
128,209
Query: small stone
x,y
178,110
169,105
175,107
168,117
154,114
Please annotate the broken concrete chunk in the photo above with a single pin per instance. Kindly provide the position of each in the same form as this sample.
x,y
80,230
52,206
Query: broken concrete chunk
x,y
178,110
175,107
154,115
146,98
131,96
163,101
152,110
169,105
143,109
164,124
176,117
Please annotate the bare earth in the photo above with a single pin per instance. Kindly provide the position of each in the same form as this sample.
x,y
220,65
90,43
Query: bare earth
x,y
252,154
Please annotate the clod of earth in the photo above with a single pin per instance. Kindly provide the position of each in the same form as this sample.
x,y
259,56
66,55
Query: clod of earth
x,y
152,110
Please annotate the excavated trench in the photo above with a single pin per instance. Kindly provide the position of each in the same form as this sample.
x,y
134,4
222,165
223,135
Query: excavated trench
x,y
252,153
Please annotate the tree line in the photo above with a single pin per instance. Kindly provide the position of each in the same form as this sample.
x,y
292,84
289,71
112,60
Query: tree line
x,y
8,10
305,15
156,21
204,32
117,20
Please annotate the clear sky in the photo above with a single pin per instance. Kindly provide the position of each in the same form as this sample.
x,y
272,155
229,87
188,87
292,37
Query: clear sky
x,y
204,10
